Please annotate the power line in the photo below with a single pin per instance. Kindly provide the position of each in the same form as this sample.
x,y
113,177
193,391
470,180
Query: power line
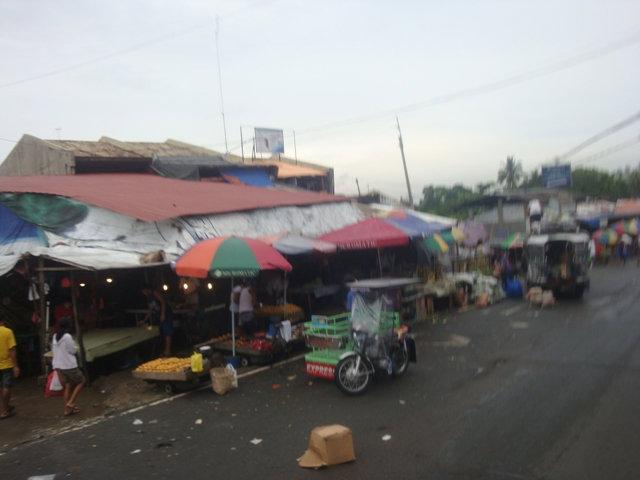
x,y
487,87
102,58
484,88
132,48
599,136
608,151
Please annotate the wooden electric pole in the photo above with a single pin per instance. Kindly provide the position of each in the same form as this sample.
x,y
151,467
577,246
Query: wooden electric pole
x,y
404,163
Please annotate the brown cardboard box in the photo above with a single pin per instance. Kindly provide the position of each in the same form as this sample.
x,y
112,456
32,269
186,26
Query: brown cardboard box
x,y
328,445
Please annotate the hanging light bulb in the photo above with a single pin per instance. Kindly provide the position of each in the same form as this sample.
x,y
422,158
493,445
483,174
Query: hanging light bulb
x,y
185,286
165,287
210,286
82,285
109,280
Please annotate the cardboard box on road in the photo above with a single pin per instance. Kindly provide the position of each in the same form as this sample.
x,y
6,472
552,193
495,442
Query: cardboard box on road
x,y
328,445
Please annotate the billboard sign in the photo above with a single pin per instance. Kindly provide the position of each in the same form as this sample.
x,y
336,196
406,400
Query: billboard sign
x,y
556,176
269,140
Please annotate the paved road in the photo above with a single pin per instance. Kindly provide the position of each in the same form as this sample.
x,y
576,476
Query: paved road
x,y
551,394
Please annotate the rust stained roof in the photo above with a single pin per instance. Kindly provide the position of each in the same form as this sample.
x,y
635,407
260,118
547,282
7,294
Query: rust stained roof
x,y
153,198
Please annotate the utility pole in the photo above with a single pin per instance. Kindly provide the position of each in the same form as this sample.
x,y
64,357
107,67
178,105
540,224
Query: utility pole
x,y
358,185
295,148
224,121
404,163
241,144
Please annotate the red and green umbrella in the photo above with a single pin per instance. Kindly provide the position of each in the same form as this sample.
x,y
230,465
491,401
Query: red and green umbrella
x,y
515,240
230,257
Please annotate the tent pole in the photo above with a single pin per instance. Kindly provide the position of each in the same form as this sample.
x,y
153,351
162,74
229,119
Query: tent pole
x,y
233,325
76,321
42,331
379,262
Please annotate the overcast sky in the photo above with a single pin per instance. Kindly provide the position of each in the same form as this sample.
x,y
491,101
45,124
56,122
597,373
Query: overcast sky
x,y
300,65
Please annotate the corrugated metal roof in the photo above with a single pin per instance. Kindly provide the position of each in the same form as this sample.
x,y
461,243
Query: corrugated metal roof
x,y
288,170
82,148
107,147
153,198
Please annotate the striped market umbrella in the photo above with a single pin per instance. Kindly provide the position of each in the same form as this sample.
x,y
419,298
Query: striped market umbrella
x,y
229,257
515,240
436,244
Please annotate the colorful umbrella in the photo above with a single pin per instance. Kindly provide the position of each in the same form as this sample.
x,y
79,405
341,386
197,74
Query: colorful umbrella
x,y
474,233
230,257
515,240
606,237
632,227
395,230
458,234
436,244
619,228
369,233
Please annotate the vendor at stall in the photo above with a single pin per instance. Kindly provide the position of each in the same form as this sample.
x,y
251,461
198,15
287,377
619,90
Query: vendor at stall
x,y
159,313
246,304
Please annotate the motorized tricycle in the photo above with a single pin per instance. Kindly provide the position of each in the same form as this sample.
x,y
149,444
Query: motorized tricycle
x,y
377,343
558,261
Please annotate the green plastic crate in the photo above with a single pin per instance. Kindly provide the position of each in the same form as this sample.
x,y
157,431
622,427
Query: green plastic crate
x,y
327,356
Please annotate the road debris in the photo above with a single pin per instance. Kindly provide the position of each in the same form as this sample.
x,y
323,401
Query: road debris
x,y
137,422
386,438
136,451
199,421
256,441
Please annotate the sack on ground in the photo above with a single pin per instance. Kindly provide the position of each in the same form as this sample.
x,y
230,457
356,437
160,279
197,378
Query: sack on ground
x,y
54,387
221,380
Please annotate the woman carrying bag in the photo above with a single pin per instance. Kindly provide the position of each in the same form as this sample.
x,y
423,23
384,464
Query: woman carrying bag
x,y
66,364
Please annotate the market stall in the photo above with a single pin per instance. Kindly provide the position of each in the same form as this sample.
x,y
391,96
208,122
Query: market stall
x,y
234,257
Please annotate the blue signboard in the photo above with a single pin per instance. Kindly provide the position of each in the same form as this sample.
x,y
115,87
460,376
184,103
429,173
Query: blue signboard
x,y
556,176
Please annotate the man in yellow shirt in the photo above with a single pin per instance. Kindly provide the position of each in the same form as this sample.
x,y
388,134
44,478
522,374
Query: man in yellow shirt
x,y
8,368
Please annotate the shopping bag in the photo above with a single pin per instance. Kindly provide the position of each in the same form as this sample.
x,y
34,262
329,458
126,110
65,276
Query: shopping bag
x,y
54,387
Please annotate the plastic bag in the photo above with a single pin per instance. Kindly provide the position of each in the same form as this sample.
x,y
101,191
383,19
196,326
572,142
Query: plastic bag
x,y
54,387
197,363
233,372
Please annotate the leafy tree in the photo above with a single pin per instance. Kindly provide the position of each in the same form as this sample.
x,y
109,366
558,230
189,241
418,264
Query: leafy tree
x,y
511,173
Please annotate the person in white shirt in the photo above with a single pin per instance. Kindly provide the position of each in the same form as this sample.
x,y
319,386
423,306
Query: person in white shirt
x,y
535,214
245,308
592,252
66,364
234,300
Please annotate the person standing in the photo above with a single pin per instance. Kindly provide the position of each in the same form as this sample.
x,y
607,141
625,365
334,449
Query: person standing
x,y
535,215
245,307
234,300
592,252
159,313
64,350
9,369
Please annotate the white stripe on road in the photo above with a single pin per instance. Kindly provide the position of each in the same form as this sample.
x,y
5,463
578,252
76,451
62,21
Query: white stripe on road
x,y
97,420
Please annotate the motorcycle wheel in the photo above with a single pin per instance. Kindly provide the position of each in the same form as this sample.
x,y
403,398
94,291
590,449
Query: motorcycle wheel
x,y
349,380
400,361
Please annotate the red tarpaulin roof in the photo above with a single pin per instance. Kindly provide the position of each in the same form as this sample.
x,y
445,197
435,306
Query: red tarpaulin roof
x,y
369,233
152,198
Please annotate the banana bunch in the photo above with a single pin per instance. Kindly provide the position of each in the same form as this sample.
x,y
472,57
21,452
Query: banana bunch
x,y
172,364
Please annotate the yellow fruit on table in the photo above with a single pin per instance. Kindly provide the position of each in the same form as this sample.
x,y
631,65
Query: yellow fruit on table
x,y
172,364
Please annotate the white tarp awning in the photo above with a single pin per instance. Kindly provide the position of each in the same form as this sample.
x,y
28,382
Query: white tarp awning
x,y
108,240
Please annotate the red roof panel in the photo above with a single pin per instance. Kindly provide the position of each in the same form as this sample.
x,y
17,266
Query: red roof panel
x,y
369,233
153,198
